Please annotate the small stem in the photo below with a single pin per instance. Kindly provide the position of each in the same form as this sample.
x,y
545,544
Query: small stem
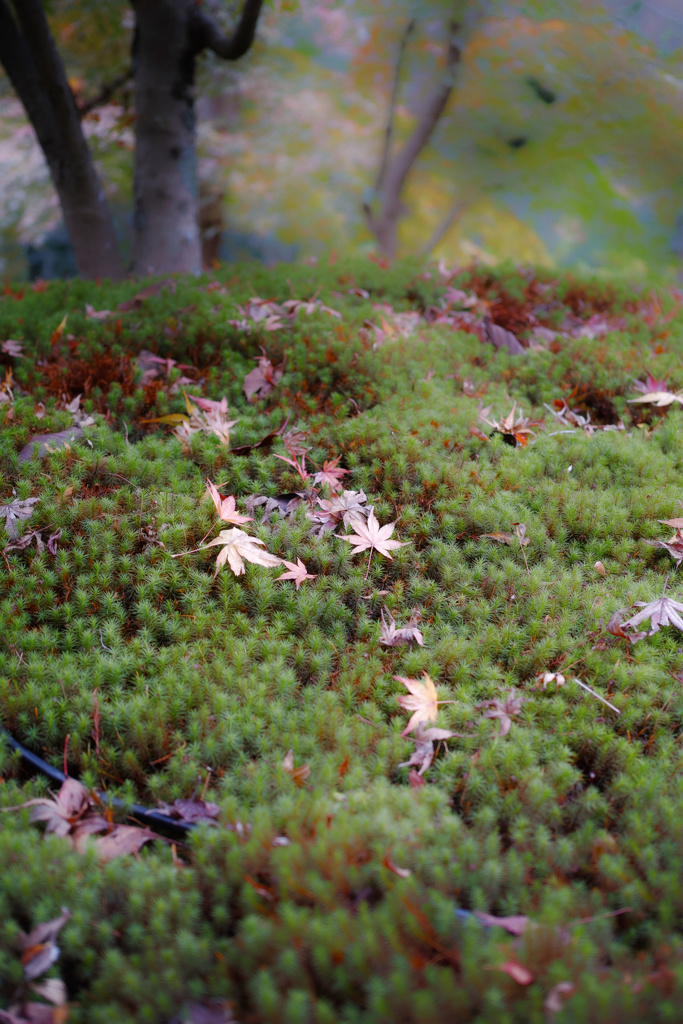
x,y
368,568
588,689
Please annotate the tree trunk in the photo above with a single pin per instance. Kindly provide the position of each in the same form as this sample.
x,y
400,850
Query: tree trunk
x,y
166,235
33,65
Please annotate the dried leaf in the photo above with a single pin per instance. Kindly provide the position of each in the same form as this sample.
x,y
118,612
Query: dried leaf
x,y
504,711
502,339
121,840
16,512
260,381
515,924
12,348
546,678
59,331
97,314
504,538
518,972
237,546
422,702
424,740
191,811
331,474
297,572
300,774
401,872
515,429
39,949
225,507
390,636
554,1000
665,611
373,536
209,1011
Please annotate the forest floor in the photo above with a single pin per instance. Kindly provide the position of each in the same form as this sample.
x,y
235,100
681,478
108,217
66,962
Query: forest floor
x,y
425,748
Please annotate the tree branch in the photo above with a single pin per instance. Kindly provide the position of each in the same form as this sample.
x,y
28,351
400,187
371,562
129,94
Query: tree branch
x,y
450,218
105,93
206,35
383,224
389,131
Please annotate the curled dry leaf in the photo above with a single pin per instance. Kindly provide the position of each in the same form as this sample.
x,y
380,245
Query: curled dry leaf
x,y
12,348
505,538
225,507
191,811
546,678
504,711
558,993
260,381
39,947
297,572
502,339
516,924
236,547
518,972
121,840
425,749
390,636
300,774
516,429
401,872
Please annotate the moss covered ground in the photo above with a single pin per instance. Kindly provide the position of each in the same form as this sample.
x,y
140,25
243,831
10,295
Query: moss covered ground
x,y
153,680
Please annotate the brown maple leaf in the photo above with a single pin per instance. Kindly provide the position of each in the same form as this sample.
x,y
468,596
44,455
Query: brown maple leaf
x,y
516,430
374,537
225,507
300,774
297,572
236,546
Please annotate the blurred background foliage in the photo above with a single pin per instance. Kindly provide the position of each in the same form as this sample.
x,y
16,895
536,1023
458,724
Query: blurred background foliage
x,y
561,144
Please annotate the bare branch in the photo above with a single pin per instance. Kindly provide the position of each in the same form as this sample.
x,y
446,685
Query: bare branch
x,y
388,134
384,224
450,218
105,93
206,35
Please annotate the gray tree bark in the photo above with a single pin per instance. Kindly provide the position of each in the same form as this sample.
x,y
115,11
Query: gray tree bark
x,y
33,65
169,36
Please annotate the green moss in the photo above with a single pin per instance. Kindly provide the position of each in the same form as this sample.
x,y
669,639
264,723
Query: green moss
x,y
573,816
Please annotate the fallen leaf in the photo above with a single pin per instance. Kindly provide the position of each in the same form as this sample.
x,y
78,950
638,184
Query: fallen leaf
x,y
331,474
209,1011
97,314
39,949
423,701
373,536
225,507
152,289
260,381
504,711
390,636
600,569
297,572
502,339
58,332
17,511
191,811
237,546
206,416
424,740
515,924
12,348
476,432
518,972
665,611
544,679
300,774
415,779
553,1002
401,872
503,538
121,840
515,429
